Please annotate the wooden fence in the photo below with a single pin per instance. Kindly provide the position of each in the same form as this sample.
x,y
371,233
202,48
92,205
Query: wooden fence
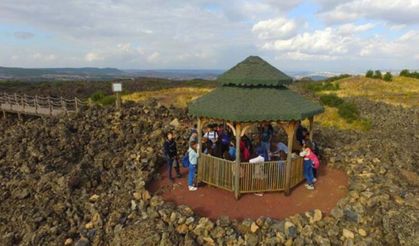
x,y
216,172
254,177
37,105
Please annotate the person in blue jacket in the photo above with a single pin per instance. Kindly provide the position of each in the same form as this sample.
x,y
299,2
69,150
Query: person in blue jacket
x,y
193,162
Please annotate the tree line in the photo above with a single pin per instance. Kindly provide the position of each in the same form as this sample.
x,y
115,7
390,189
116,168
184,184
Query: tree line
x,y
407,73
378,75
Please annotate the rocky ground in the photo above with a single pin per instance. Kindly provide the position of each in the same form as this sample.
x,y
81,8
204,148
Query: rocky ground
x,y
82,181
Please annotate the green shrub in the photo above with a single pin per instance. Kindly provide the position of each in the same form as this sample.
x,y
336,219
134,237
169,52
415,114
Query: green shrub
x,y
323,86
348,111
369,74
377,74
405,73
331,100
334,78
97,96
388,76
107,100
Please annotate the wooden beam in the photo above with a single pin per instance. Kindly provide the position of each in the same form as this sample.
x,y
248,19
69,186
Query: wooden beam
x,y
237,164
311,120
290,130
232,128
199,133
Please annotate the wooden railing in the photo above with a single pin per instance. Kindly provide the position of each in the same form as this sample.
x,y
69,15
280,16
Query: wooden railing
x,y
216,172
38,105
254,177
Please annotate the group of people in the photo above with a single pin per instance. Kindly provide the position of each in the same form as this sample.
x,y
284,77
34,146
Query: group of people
x,y
218,141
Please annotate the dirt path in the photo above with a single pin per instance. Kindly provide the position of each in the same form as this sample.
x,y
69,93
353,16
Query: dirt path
x,y
212,202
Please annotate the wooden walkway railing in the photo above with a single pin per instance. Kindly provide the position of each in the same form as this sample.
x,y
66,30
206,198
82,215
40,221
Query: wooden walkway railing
x,y
37,105
254,177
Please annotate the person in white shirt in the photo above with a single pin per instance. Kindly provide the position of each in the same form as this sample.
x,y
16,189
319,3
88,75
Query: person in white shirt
x,y
211,134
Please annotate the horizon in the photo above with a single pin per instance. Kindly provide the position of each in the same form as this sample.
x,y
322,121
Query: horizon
x,y
297,35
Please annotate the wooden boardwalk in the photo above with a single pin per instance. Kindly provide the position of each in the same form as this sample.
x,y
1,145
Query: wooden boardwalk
x,y
37,105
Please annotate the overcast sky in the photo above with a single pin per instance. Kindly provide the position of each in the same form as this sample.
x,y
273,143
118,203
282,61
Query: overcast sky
x,y
294,35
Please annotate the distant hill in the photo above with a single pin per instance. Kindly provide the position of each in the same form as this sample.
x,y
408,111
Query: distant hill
x,y
59,73
177,74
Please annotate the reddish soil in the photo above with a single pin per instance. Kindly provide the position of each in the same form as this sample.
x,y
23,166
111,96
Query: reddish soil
x,y
212,202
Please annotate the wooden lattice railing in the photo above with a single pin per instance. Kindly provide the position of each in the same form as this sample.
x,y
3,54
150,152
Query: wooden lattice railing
x,y
38,105
254,177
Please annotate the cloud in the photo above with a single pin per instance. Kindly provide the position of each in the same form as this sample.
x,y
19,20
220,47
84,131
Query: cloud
x,y
397,12
275,28
210,34
93,56
23,35
344,43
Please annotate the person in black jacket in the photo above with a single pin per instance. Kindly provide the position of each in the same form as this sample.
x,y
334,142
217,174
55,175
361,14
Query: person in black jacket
x,y
170,154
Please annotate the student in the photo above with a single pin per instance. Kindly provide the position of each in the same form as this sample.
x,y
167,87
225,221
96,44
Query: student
x,y
193,160
281,151
206,146
211,134
313,157
266,137
170,154
194,136
244,152
308,166
225,140
247,143
301,133
232,151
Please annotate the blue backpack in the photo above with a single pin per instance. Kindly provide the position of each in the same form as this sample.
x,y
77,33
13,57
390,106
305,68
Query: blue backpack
x,y
185,160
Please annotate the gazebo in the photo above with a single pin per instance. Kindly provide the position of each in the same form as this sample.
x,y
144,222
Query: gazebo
x,y
252,92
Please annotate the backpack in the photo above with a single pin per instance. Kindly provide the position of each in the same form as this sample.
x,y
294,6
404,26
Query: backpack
x,y
185,160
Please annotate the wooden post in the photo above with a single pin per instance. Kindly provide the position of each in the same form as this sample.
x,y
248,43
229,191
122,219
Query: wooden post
x,y
17,107
237,164
76,104
118,100
4,114
311,120
199,130
50,106
23,101
36,104
290,130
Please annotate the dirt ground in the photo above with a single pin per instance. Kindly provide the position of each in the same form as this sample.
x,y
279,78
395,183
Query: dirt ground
x,y
212,202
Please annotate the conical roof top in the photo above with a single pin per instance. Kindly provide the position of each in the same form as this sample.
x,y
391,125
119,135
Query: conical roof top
x,y
254,71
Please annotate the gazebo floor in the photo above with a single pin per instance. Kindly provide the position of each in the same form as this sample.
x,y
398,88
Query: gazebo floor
x,y
213,202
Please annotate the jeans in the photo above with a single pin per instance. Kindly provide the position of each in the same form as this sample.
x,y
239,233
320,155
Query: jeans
x,y
308,171
170,164
266,147
191,175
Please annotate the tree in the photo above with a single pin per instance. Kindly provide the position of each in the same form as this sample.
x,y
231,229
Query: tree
x,y
378,75
388,76
369,74
405,72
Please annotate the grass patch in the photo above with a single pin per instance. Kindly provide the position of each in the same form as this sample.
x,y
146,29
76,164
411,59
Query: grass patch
x,y
178,97
102,99
348,111
322,86
331,100
332,118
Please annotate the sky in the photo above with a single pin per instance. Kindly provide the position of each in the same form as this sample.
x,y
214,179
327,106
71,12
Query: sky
x,y
293,35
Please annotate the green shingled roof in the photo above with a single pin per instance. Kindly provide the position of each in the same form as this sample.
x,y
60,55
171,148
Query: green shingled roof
x,y
254,71
246,104
252,91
